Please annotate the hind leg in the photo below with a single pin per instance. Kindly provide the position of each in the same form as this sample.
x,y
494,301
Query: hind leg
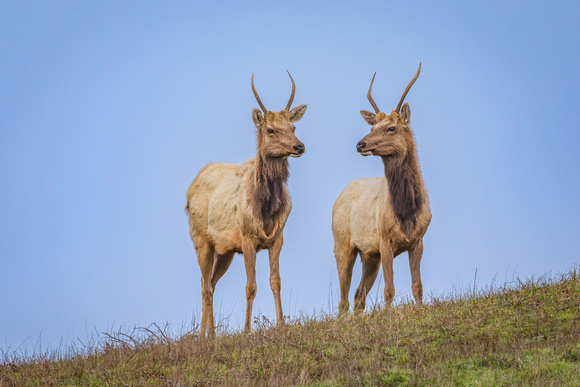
x,y
205,255
345,258
221,263
370,270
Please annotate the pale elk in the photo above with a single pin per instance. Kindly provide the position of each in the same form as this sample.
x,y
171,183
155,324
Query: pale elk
x,y
379,218
243,209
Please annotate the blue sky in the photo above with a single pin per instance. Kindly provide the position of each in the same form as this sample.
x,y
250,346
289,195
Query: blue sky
x,y
109,109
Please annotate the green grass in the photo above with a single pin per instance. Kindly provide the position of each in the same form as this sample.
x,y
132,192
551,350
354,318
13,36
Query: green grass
x,y
525,335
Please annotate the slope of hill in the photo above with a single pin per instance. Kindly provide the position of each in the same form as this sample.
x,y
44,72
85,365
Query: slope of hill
x,y
526,334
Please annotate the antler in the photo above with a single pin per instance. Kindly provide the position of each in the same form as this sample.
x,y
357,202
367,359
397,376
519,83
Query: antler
x,y
377,110
407,89
257,97
293,91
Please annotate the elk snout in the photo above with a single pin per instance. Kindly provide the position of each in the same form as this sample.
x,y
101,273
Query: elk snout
x,y
299,149
360,147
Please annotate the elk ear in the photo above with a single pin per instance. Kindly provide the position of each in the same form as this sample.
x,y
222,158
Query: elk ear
x,y
257,117
297,113
369,117
406,114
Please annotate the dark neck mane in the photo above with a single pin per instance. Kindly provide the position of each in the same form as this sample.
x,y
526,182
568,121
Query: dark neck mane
x,y
269,195
405,188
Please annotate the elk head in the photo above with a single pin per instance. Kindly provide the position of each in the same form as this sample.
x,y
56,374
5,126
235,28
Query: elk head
x,y
276,138
390,134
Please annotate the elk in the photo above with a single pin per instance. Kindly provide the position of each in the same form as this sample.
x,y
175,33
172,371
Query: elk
x,y
380,218
236,208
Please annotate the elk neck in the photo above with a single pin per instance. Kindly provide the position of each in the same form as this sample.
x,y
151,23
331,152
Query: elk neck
x,y
269,197
405,187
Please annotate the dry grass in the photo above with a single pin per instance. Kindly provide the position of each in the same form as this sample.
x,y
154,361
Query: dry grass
x,y
528,334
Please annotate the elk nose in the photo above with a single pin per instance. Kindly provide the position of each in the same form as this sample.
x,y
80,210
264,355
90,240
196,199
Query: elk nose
x,y
299,148
360,146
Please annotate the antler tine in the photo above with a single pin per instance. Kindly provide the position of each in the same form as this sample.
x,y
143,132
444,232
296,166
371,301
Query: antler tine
x,y
293,91
377,110
257,97
407,89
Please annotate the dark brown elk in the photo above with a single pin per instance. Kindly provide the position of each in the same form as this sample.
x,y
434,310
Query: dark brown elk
x,y
243,209
379,218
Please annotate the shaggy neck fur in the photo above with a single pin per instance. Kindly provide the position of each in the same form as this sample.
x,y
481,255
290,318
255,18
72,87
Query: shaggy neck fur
x,y
405,187
269,195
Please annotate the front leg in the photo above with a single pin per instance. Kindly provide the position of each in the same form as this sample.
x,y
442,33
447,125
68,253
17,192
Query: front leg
x,y
387,257
275,283
370,270
415,254
249,251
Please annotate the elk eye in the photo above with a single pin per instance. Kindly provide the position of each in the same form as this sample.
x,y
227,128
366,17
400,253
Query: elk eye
x,y
270,130
391,129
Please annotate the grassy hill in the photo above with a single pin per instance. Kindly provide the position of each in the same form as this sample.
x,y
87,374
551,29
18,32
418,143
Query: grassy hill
x,y
525,334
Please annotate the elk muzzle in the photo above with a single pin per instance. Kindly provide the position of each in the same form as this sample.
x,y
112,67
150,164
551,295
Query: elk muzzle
x,y
360,147
299,149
